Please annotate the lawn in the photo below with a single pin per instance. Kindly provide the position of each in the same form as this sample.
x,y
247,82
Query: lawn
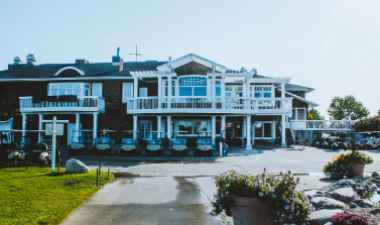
x,y
34,196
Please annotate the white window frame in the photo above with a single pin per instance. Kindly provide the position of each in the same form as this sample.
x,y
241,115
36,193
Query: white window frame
x,y
146,91
125,98
101,89
252,91
82,88
193,86
262,130
193,134
296,114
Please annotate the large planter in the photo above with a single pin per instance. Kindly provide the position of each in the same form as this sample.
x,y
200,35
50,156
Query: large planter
x,y
357,170
246,211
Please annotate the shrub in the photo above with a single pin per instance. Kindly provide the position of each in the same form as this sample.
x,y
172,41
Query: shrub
x,y
357,157
348,218
290,206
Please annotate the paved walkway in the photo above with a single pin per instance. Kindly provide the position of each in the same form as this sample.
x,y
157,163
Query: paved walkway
x,y
179,190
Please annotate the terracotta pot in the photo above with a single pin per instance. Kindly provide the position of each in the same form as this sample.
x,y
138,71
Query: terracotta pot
x,y
357,170
246,211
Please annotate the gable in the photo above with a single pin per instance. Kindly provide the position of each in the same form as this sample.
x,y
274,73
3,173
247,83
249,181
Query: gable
x,y
192,68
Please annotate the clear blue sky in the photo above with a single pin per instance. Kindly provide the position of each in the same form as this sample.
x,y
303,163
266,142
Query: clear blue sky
x,y
332,46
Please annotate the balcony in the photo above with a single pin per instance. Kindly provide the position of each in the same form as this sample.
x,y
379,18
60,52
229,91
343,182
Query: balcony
x,y
62,104
236,105
322,125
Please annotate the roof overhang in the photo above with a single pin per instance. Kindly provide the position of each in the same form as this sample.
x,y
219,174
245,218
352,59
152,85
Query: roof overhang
x,y
169,66
66,79
310,103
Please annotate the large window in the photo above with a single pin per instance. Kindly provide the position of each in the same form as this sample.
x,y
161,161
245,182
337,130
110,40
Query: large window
x,y
80,89
127,91
263,130
298,114
217,88
234,91
97,89
263,91
193,86
166,88
193,127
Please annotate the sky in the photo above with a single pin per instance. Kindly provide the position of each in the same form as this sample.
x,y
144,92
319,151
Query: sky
x,y
332,46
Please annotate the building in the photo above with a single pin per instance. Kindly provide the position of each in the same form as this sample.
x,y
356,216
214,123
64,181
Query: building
x,y
188,96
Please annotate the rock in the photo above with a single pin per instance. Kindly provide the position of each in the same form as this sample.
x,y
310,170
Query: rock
x,y
360,190
76,166
375,211
378,191
342,183
372,187
329,223
326,203
312,193
358,179
353,206
364,203
375,174
323,216
345,195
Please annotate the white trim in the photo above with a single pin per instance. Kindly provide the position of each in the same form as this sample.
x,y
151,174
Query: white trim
x,y
101,89
146,91
262,130
81,72
310,103
125,99
66,79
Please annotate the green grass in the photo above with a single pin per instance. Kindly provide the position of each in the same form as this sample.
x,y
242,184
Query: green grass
x,y
34,196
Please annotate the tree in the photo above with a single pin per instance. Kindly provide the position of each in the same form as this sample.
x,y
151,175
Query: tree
x,y
368,124
314,115
347,108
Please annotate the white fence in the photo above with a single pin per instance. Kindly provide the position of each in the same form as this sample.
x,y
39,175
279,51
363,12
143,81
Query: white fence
x,y
322,124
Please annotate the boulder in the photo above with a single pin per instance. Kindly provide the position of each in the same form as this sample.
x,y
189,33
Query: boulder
x,y
326,203
375,211
358,179
375,174
323,216
343,183
345,195
76,166
312,193
353,206
364,203
329,223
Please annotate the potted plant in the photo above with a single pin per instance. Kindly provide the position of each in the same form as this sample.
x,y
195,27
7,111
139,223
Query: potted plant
x,y
264,199
337,168
357,160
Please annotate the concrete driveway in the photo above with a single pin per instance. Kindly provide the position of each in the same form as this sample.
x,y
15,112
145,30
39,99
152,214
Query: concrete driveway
x,y
179,190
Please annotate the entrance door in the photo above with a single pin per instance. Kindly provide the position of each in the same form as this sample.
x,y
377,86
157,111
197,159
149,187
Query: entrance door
x,y
70,129
145,129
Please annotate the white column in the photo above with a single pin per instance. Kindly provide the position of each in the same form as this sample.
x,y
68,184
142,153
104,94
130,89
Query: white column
x,y
95,127
249,145
283,136
274,130
159,91
213,129
213,86
169,119
248,88
169,92
134,127
209,86
135,91
40,126
223,91
223,124
24,122
244,129
158,126
283,95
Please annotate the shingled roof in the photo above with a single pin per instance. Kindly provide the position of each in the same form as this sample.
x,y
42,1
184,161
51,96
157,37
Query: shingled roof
x,y
91,70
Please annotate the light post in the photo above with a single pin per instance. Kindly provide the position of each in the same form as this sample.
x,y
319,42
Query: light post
x,y
54,138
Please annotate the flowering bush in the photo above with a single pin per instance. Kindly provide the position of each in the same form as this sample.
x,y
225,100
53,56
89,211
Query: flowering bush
x,y
348,218
290,206
357,157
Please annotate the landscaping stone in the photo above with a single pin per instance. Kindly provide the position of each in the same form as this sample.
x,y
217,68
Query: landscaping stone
x,y
345,195
312,193
353,206
375,211
358,179
326,203
329,223
323,216
364,203
76,166
343,183
375,174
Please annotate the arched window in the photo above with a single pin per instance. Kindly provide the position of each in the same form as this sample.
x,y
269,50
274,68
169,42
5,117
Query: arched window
x,y
193,86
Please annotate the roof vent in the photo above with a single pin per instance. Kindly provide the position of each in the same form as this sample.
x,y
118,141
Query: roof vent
x,y
17,60
254,71
243,70
82,61
31,59
117,62
170,58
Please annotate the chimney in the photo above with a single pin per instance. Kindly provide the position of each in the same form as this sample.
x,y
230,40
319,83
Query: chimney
x,y
82,61
31,59
117,62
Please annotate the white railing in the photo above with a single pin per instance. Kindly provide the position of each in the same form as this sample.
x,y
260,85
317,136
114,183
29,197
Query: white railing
x,y
322,124
83,103
208,104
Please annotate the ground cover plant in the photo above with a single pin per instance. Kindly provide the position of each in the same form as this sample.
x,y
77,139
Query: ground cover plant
x,y
348,218
34,196
290,206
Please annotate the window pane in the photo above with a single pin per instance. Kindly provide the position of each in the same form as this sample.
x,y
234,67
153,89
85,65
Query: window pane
x,y
267,95
200,126
238,130
192,81
127,90
185,91
200,91
185,126
53,86
229,88
217,91
228,94
259,130
267,130
258,95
